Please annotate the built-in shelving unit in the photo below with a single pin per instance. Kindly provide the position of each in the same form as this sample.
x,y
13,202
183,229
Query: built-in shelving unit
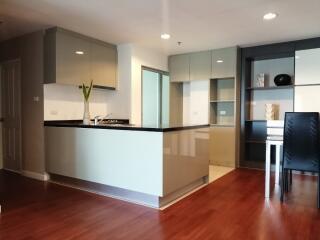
x,y
271,62
222,102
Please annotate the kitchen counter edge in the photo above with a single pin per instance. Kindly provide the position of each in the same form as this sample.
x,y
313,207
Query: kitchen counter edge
x,y
124,127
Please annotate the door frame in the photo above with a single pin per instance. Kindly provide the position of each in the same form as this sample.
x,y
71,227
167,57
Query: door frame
x,y
161,73
17,60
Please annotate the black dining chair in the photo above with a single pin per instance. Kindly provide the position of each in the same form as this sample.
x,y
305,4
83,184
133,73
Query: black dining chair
x,y
301,147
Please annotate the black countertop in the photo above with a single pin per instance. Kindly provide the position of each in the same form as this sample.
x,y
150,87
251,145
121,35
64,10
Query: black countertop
x,y
79,124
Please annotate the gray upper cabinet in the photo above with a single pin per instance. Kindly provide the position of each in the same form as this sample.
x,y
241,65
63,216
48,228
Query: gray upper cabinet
x,y
179,68
72,68
200,65
104,65
73,59
224,62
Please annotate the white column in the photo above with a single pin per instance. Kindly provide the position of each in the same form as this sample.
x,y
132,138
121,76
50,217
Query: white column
x,y
277,163
267,180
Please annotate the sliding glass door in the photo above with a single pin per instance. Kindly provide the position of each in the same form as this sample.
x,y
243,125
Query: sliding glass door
x,y
155,97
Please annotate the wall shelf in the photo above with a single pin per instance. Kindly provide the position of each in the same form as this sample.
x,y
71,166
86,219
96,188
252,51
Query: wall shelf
x,y
222,103
256,141
269,88
222,125
254,99
256,120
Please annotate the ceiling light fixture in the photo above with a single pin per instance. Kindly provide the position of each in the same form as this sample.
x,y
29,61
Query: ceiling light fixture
x,y
165,36
219,61
270,16
79,52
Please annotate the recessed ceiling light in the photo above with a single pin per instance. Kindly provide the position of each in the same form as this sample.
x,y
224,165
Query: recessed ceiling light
x,y
270,16
165,36
79,52
219,61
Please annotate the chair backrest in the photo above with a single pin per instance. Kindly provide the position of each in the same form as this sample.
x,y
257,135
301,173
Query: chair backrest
x,y
301,149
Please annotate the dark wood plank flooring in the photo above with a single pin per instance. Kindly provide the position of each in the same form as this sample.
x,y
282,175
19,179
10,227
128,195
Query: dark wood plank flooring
x,y
232,207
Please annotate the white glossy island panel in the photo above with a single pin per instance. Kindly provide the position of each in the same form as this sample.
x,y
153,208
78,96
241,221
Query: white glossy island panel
x,y
157,165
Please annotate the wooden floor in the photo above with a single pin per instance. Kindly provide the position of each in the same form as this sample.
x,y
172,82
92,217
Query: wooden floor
x,y
233,207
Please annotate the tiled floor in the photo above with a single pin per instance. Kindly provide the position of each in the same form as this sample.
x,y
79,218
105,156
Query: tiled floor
x,y
216,172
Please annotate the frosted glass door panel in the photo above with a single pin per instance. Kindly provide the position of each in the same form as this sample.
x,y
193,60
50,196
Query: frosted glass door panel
x,y
307,67
306,99
165,99
150,98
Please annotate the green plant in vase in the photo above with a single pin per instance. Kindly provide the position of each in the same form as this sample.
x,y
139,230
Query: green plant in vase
x,y
86,90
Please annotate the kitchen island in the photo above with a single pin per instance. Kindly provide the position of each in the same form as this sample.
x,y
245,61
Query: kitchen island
x,y
144,164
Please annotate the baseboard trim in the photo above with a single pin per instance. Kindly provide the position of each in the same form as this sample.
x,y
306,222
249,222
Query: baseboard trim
x,y
35,175
10,170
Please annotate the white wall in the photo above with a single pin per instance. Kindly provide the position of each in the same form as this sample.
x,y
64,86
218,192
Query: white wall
x,y
63,102
196,102
143,57
118,102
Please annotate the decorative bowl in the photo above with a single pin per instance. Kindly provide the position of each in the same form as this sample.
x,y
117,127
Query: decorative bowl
x,y
282,80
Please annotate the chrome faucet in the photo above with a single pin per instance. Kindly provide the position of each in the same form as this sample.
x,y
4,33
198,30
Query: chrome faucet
x,y
98,119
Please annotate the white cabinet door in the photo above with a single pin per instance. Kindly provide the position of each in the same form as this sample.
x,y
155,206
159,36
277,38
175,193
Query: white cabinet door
x,y
307,67
306,99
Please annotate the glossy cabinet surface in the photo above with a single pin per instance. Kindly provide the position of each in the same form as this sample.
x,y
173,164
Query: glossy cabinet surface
x,y
73,59
179,68
72,68
185,158
164,165
200,65
224,62
218,63
104,65
222,146
306,99
307,70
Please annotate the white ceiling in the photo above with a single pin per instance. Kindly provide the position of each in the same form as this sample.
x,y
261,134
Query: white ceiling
x,y
198,24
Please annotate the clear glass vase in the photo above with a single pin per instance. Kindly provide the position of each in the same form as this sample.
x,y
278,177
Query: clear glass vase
x,y
86,113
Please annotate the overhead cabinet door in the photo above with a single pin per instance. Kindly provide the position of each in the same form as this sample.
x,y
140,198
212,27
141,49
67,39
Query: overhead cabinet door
x,y
307,70
200,65
72,60
179,68
103,65
224,62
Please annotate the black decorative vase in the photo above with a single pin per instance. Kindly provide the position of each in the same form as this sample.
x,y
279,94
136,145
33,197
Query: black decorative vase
x,y
282,80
